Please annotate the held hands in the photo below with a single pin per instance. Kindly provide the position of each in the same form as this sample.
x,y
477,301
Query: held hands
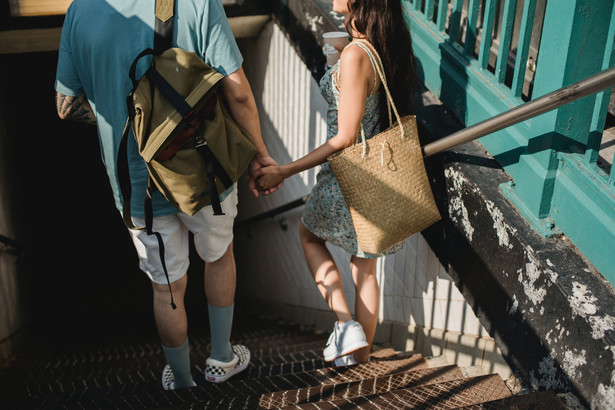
x,y
268,178
257,166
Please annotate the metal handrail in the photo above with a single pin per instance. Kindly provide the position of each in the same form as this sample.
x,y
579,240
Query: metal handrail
x,y
555,99
271,213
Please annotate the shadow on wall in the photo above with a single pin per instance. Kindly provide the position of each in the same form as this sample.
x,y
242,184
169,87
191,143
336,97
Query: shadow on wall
x,y
291,112
486,284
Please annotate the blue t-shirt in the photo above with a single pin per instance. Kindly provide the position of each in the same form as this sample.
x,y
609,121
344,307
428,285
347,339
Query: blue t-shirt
x,y
100,40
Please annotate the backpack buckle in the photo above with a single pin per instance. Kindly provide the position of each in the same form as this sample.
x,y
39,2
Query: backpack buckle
x,y
200,141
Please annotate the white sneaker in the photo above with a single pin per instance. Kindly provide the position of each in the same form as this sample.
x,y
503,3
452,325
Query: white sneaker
x,y
344,339
217,371
347,360
168,379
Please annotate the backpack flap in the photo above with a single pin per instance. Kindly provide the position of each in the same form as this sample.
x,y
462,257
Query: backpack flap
x,y
156,120
166,131
181,177
228,142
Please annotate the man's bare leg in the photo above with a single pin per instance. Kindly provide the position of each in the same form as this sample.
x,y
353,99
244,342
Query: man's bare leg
x,y
220,281
172,326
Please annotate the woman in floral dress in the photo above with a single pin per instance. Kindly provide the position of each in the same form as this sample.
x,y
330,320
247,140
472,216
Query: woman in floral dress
x,y
352,88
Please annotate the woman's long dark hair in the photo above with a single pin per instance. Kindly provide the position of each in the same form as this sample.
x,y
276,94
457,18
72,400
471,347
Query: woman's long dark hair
x,y
382,23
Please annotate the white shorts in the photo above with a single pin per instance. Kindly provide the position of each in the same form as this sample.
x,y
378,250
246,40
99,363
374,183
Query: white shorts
x,y
212,236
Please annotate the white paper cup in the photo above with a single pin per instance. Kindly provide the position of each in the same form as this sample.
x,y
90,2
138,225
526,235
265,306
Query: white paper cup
x,y
334,41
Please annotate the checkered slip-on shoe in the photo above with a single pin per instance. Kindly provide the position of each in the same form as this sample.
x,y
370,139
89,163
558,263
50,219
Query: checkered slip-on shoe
x,y
168,379
217,371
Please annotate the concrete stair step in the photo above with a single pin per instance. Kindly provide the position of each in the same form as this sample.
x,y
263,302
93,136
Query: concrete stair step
x,y
283,350
287,371
544,400
141,389
358,388
445,395
247,391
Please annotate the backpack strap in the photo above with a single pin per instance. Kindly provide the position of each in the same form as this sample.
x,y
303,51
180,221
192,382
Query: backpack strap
x,y
149,223
163,40
163,29
123,176
163,37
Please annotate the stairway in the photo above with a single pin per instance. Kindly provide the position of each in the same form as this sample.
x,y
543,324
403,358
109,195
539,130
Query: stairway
x,y
121,370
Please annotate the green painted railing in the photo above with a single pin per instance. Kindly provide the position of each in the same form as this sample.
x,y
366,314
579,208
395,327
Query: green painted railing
x,y
483,57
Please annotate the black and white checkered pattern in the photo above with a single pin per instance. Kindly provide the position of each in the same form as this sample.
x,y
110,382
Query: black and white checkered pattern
x,y
216,372
212,370
168,379
243,353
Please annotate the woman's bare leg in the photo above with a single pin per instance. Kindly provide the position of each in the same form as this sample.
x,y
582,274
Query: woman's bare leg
x,y
325,273
367,301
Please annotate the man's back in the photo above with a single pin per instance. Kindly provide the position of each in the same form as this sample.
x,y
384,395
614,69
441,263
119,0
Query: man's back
x,y
100,40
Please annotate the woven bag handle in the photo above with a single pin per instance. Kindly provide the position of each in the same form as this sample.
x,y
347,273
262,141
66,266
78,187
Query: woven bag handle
x,y
368,48
383,80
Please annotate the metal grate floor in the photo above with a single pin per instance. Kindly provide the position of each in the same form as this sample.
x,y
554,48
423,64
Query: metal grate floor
x,y
115,370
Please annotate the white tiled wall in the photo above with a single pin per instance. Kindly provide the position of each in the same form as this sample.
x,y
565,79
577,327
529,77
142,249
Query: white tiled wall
x,y
421,308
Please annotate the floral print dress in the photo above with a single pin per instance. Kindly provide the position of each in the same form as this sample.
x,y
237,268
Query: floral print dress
x,y
326,214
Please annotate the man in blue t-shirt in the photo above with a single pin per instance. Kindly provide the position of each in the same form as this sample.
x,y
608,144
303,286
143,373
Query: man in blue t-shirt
x,y
100,40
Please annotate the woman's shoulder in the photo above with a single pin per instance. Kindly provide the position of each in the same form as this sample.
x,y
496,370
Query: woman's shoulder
x,y
355,59
354,53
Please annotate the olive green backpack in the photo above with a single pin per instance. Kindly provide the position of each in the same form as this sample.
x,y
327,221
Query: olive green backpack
x,y
192,147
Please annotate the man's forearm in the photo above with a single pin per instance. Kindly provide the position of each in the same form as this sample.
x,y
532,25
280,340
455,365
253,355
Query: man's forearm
x,y
242,107
75,108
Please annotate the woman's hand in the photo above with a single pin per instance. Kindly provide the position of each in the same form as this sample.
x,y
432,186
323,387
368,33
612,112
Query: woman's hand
x,y
269,178
256,165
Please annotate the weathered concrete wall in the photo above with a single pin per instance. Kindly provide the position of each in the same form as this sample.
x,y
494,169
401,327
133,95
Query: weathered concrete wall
x,y
550,312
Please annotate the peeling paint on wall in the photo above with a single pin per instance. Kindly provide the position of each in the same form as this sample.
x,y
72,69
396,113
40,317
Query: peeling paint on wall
x,y
547,376
554,275
515,305
501,227
533,271
572,361
582,303
337,17
600,325
456,208
559,328
605,396
314,21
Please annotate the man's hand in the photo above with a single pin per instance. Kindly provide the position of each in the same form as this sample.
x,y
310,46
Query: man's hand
x,y
257,164
269,177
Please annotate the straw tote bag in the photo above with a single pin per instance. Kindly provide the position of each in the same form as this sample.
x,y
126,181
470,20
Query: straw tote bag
x,y
384,181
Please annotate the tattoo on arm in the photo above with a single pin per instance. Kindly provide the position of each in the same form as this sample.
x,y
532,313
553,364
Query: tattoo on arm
x,y
75,108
